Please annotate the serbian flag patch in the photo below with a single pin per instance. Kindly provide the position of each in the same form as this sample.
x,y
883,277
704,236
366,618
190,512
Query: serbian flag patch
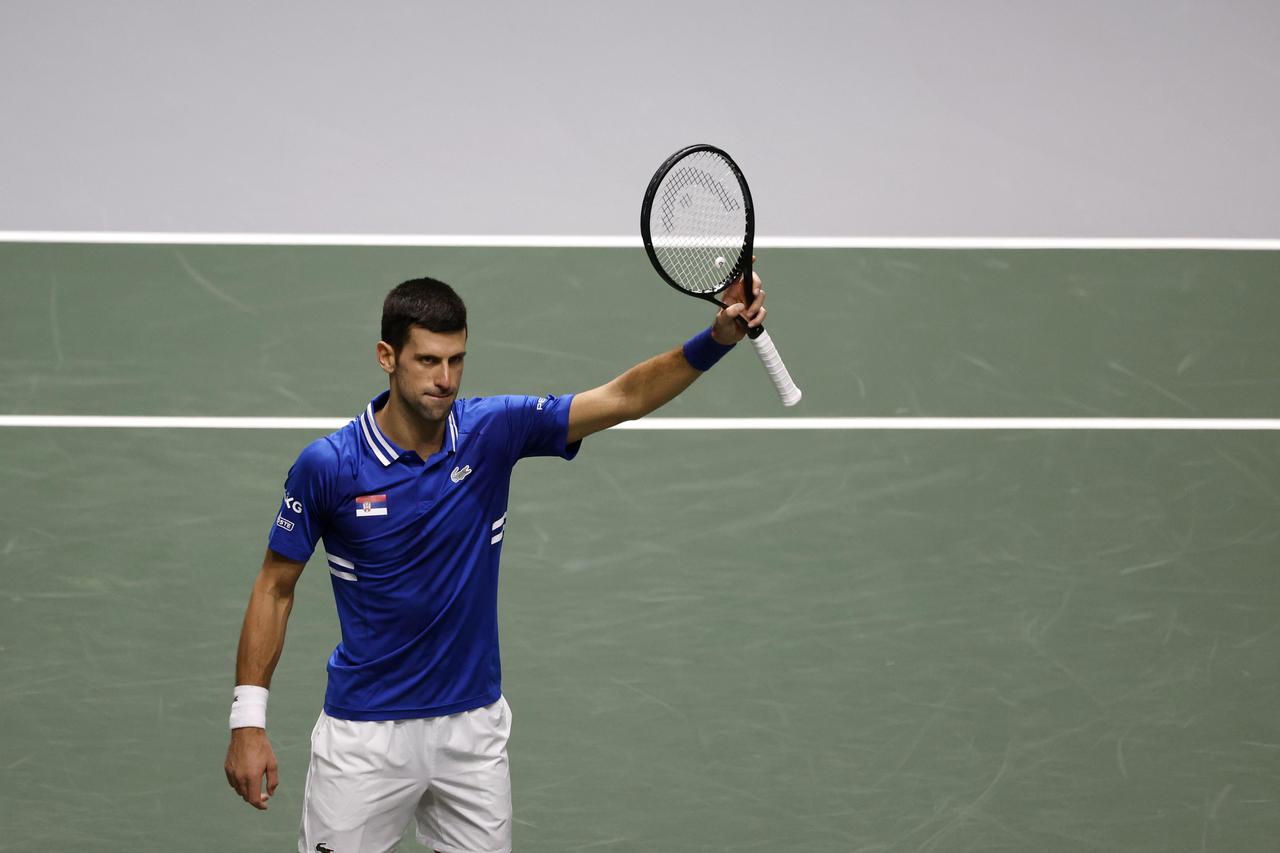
x,y
371,505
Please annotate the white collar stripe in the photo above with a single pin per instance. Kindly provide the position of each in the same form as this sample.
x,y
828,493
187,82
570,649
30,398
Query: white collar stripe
x,y
369,439
453,432
382,439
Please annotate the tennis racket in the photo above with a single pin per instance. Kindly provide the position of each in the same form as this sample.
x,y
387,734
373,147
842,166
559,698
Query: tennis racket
x,y
698,226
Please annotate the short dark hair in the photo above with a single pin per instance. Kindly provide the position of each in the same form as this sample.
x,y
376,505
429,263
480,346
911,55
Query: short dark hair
x,y
422,302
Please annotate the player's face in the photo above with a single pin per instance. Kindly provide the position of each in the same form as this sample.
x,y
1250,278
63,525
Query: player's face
x,y
428,371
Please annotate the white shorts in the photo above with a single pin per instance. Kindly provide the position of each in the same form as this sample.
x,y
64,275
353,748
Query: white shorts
x,y
368,778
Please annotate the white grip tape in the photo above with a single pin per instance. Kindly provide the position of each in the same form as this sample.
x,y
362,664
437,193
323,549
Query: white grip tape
x,y
777,371
249,709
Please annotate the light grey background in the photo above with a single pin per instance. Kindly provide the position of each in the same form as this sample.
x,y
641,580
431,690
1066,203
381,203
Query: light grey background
x,y
909,118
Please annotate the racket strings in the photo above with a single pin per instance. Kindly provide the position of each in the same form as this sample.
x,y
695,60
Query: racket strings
x,y
698,223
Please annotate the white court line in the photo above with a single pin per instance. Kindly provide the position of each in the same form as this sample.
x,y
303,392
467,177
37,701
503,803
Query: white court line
x,y
695,424
553,241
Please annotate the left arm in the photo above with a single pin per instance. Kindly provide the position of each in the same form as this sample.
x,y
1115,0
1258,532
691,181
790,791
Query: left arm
x,y
653,383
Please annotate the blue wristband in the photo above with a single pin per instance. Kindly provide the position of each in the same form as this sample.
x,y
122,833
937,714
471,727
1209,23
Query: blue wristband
x,y
702,350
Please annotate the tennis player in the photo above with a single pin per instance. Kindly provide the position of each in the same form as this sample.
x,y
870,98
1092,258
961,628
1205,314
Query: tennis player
x,y
410,499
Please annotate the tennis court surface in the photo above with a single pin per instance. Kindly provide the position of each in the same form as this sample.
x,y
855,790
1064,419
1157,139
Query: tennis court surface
x,y
817,640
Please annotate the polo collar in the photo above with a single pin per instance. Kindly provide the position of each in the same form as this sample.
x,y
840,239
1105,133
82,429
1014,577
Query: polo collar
x,y
384,449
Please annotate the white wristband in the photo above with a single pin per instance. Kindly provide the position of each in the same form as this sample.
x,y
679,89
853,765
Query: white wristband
x,y
249,708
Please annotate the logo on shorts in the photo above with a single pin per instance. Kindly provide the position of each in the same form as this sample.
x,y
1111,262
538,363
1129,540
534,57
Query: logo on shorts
x,y
323,848
460,474
283,523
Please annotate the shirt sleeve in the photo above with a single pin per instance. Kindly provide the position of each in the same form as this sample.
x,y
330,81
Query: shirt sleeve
x,y
306,507
540,426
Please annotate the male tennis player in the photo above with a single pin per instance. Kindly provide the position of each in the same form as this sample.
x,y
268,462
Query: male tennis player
x,y
410,498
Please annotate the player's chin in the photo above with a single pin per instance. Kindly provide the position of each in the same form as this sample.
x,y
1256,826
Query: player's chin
x,y
437,406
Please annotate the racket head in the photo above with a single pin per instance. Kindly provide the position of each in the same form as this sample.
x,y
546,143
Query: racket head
x,y
697,221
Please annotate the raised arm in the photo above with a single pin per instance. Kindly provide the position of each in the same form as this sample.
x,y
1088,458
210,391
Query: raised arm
x,y
655,382
249,756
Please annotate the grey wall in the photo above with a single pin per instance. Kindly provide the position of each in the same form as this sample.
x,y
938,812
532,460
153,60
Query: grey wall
x,y
1094,118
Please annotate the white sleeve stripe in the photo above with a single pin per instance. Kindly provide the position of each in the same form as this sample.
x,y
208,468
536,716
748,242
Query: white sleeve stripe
x,y
346,576
339,562
499,522
495,540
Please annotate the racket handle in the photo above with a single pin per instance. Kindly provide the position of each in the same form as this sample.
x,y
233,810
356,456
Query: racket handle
x,y
777,371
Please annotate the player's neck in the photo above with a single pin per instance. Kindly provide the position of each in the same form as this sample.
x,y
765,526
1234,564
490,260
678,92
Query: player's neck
x,y
408,429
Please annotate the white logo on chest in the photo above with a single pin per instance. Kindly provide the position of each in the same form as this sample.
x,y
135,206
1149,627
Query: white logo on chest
x,y
460,474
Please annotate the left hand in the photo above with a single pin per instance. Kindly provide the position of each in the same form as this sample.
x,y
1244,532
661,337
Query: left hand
x,y
726,329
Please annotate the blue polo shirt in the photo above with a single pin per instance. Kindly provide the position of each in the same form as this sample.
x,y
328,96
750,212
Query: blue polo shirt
x,y
412,547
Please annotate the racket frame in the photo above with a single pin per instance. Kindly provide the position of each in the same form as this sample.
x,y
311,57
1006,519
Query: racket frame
x,y
742,268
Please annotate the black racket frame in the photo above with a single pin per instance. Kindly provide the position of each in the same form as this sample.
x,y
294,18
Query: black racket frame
x,y
742,268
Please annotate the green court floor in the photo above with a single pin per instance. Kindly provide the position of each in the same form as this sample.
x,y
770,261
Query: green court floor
x,y
814,641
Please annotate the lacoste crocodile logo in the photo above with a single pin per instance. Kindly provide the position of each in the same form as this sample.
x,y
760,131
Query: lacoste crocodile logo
x,y
460,474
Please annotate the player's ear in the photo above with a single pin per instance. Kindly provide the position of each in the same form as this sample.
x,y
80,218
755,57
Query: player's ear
x,y
386,357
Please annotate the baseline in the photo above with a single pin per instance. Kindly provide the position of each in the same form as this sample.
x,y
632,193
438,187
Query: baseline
x,y
694,424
